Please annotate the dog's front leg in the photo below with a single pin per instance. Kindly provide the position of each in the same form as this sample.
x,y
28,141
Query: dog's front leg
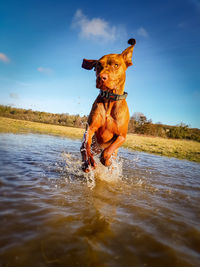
x,y
87,156
107,153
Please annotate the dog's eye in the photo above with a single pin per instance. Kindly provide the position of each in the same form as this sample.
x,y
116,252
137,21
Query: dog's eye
x,y
116,65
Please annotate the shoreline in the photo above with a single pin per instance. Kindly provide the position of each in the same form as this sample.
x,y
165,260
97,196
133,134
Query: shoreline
x,y
181,149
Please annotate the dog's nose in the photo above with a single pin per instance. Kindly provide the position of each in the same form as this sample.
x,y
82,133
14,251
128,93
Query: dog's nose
x,y
104,77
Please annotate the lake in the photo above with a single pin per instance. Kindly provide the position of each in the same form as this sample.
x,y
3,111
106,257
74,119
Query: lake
x,y
142,211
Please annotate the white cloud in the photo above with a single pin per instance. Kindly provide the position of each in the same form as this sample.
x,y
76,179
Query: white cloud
x,y
45,70
142,32
95,27
14,96
4,58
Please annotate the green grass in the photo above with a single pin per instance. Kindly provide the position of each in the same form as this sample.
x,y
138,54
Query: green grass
x,y
182,149
8,125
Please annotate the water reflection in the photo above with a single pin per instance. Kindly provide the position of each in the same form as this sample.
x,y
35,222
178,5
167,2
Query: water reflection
x,y
51,214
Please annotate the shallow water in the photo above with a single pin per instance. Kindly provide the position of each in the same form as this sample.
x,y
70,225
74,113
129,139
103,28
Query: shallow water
x,y
143,212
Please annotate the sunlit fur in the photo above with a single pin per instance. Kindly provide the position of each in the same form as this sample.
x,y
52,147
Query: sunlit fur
x,y
108,119
114,66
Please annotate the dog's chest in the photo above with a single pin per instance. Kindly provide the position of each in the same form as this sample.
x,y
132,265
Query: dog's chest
x,y
108,129
111,121
110,118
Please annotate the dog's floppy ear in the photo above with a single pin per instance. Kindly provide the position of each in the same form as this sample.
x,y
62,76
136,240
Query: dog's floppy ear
x,y
88,64
127,53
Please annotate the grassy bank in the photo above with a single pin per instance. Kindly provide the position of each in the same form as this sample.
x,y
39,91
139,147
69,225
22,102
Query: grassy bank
x,y
8,125
181,149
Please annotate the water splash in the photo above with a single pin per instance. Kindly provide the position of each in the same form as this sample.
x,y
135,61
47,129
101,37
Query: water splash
x,y
72,170
112,173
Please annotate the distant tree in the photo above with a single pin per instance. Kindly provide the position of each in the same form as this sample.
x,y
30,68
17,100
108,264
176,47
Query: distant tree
x,y
142,124
180,131
139,117
138,123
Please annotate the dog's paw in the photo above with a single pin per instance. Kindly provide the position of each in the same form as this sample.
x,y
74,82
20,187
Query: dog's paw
x,y
105,162
105,158
85,166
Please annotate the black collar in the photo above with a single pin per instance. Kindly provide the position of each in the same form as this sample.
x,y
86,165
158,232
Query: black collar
x,y
111,96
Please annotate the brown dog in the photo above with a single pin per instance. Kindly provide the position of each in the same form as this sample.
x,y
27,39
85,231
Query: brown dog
x,y
108,120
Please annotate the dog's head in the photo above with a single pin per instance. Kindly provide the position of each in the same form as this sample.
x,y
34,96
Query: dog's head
x,y
111,69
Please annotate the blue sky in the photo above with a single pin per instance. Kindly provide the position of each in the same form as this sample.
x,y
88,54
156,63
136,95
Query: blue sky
x,y
42,44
